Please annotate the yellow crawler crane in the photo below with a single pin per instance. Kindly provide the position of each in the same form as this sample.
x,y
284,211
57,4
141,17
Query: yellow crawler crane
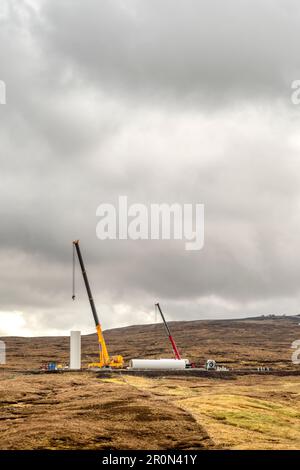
x,y
115,362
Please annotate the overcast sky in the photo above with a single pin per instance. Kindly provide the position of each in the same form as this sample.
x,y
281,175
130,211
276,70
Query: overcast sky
x,y
162,101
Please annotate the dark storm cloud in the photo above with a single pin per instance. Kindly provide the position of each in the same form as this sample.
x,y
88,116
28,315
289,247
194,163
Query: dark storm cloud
x,y
162,102
209,51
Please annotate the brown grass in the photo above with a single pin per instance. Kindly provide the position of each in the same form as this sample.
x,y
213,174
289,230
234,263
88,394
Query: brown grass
x,y
252,412
80,411
83,411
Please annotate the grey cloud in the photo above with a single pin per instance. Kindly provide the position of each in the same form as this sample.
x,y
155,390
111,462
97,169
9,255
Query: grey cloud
x,y
112,98
212,52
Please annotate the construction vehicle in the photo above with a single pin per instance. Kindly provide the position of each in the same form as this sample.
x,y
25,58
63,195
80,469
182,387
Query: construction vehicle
x,y
105,361
172,341
211,364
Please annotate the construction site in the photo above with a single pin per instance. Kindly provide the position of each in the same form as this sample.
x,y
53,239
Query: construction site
x,y
227,384
149,235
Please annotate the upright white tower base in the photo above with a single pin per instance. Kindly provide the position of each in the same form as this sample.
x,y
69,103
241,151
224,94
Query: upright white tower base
x,y
75,350
2,353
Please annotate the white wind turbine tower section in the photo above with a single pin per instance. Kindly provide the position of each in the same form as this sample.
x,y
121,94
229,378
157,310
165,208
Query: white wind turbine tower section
x,y
75,350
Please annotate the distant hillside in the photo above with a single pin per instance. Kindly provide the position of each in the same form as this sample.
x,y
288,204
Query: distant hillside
x,y
235,343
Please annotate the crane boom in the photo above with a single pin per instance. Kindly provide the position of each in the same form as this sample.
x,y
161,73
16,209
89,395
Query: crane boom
x,y
172,341
104,359
86,282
